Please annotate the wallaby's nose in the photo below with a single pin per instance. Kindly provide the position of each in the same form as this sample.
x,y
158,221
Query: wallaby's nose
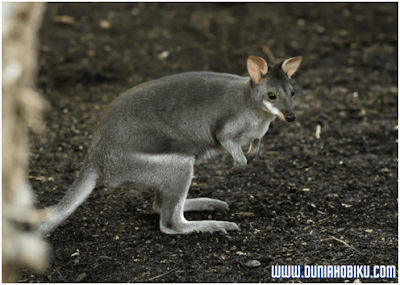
x,y
290,117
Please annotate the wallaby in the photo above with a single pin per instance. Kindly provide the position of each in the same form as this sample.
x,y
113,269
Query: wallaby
x,y
154,133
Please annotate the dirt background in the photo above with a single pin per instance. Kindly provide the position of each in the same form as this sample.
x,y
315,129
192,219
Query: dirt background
x,y
329,201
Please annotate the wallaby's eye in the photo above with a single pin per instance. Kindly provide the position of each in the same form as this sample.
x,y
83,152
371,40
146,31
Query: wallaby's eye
x,y
292,93
271,95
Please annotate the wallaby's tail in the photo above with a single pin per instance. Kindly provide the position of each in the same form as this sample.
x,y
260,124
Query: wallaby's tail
x,y
79,191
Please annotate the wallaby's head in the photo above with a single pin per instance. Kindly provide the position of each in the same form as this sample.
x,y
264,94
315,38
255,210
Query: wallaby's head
x,y
271,88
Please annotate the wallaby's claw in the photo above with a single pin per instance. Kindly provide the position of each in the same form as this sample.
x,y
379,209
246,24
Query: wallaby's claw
x,y
216,204
227,226
238,169
250,158
234,227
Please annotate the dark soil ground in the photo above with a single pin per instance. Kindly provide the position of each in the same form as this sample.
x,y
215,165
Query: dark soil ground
x,y
306,201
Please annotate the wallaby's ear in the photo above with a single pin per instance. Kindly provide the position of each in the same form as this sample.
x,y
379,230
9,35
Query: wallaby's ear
x,y
291,65
256,66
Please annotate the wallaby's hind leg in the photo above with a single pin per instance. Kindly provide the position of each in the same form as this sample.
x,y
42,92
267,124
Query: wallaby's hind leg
x,y
176,180
195,204
79,191
172,175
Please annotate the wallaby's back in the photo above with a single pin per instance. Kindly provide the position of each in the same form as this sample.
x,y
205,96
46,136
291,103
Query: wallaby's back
x,y
174,114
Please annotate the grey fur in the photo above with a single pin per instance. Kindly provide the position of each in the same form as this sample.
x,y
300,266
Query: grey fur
x,y
154,133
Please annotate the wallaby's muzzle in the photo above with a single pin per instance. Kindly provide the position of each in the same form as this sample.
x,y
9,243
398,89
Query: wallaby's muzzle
x,y
287,116
290,117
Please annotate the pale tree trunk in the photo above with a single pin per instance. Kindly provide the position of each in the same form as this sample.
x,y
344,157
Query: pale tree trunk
x,y
21,108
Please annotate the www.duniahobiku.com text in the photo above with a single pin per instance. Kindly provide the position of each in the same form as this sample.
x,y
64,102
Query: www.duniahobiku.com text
x,y
333,271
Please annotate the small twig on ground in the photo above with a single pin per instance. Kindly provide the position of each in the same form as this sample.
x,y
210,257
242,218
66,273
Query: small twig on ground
x,y
339,240
161,275
318,132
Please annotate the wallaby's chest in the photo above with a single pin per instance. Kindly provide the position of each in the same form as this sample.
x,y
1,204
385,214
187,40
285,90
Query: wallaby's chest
x,y
260,130
255,130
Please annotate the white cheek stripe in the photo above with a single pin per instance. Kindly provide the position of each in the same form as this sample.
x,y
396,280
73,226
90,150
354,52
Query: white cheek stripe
x,y
282,117
271,108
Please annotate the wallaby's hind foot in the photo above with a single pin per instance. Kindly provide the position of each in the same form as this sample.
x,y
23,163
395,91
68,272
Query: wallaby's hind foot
x,y
195,204
186,227
79,191
180,225
171,202
205,204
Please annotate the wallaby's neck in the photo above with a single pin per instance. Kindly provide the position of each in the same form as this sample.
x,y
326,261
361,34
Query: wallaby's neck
x,y
261,113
